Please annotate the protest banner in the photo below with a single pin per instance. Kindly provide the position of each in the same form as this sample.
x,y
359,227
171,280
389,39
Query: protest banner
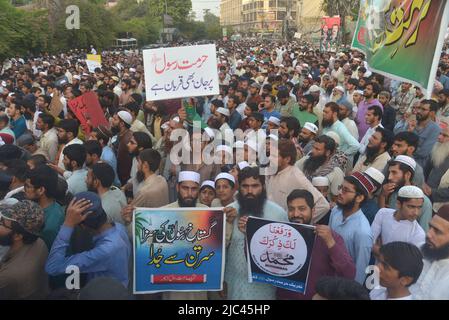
x,y
330,33
180,72
93,61
279,253
178,249
403,39
87,110
55,106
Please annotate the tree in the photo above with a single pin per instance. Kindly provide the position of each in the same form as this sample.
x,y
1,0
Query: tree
x,y
21,31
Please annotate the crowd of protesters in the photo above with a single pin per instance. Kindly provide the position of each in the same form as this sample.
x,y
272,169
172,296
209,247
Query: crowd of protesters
x,y
362,157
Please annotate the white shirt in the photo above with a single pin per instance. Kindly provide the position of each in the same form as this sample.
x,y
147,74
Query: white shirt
x,y
433,284
61,156
389,229
352,127
365,140
380,293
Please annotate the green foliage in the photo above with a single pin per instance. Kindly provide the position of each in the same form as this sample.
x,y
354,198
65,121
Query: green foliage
x,y
21,31
97,28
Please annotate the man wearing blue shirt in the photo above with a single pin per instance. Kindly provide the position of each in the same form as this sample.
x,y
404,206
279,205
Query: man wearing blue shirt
x,y
348,220
17,121
426,129
348,144
112,249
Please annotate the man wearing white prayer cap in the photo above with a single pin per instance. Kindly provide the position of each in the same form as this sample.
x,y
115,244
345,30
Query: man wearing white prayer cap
x,y
307,136
400,224
207,192
188,189
322,185
225,188
401,171
273,123
222,115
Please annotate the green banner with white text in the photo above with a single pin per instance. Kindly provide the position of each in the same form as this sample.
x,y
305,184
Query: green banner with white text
x,y
403,39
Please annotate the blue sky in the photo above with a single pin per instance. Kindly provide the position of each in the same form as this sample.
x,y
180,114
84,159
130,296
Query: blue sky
x,y
199,5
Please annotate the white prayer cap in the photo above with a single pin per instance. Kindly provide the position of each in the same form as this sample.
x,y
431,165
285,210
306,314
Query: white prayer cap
x,y
132,70
375,175
272,136
225,148
239,144
320,182
226,176
311,127
340,88
223,111
359,92
274,120
314,88
209,132
208,183
411,192
333,135
408,161
3,83
85,74
243,164
176,119
189,176
125,116
77,77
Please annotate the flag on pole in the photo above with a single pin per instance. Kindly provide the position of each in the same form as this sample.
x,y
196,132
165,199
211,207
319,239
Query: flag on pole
x,y
403,39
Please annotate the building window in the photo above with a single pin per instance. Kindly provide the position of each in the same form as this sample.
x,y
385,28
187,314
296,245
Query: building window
x,y
272,3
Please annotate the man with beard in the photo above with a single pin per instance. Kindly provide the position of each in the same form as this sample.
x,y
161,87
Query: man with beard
x,y
137,126
433,284
405,143
99,180
306,137
389,113
22,271
126,92
348,144
67,135
285,104
400,173
290,177
437,184
304,113
329,254
345,116
376,153
426,129
121,122
370,93
348,220
138,142
74,159
373,118
17,121
443,99
321,162
402,101
41,187
188,190
251,201
153,192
